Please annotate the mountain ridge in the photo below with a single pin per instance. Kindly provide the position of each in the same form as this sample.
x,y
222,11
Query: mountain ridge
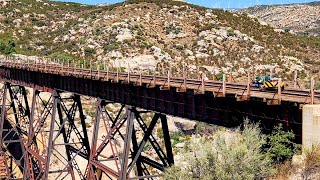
x,y
301,19
150,34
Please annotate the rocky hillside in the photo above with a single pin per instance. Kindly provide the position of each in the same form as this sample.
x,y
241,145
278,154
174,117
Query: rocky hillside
x,y
303,19
150,34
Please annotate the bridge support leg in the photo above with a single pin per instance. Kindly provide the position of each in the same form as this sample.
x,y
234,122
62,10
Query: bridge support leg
x,y
126,150
310,125
64,133
37,140
11,131
167,139
51,131
105,160
124,142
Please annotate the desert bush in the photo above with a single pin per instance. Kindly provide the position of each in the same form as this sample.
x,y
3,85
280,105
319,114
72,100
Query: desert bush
x,y
112,46
89,51
205,129
173,28
7,47
237,155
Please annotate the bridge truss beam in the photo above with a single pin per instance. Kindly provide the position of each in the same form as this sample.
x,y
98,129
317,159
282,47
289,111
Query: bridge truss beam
x,y
48,135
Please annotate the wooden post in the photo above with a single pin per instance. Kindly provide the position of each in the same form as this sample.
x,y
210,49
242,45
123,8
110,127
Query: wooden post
x,y
224,85
104,65
162,68
312,90
107,73
45,65
198,71
230,77
271,73
98,68
91,68
117,74
213,77
202,83
279,89
169,75
128,73
140,77
154,79
62,66
248,85
81,67
184,78
295,79
254,72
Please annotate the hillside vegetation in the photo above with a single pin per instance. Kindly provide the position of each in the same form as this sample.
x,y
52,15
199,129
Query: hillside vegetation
x,y
151,34
302,19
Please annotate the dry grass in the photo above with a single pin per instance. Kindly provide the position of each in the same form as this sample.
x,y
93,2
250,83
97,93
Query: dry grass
x,y
311,161
284,171
308,168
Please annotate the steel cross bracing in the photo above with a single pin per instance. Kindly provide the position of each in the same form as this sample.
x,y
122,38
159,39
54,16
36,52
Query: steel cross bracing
x,y
48,136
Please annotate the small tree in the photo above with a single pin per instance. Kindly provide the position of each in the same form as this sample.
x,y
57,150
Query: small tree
x,y
280,146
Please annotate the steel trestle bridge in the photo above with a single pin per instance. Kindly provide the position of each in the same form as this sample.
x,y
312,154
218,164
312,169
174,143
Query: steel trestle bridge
x,y
49,137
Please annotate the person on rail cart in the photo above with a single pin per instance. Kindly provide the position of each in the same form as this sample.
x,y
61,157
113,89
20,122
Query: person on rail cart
x,y
258,81
267,78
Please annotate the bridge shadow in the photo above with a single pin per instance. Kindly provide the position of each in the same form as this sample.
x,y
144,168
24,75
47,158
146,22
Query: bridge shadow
x,y
229,112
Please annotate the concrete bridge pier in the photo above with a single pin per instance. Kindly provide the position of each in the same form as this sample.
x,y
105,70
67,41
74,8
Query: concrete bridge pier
x,y
310,125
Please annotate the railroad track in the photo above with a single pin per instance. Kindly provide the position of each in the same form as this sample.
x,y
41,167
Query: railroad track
x,y
237,89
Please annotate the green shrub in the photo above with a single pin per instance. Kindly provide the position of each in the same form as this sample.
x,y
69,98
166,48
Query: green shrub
x,y
159,133
91,112
88,124
89,51
112,46
176,137
7,47
39,23
280,146
219,76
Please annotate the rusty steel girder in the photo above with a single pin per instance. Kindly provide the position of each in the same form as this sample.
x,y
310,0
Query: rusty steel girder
x,y
48,138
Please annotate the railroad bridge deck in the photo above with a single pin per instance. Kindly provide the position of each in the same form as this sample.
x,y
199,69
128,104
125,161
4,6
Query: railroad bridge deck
x,y
220,103
214,102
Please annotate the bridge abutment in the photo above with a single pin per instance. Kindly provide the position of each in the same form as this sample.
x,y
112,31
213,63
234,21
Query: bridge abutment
x,y
310,125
